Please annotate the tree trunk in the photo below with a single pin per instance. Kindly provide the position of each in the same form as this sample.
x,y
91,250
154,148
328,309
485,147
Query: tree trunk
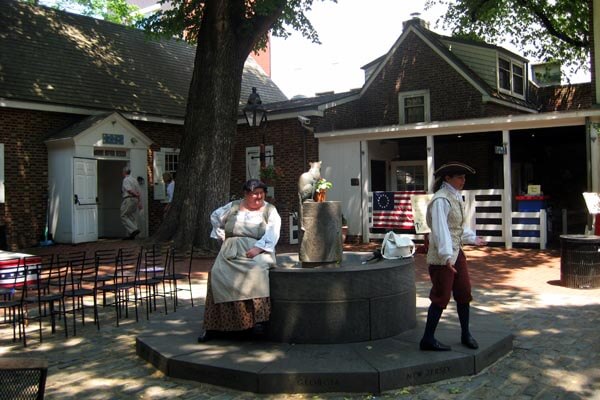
x,y
209,131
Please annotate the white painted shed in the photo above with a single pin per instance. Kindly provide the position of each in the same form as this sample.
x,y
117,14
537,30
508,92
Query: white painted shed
x,y
85,162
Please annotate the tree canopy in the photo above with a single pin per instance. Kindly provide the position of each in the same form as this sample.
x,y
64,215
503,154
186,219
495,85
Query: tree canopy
x,y
117,11
226,31
548,30
184,19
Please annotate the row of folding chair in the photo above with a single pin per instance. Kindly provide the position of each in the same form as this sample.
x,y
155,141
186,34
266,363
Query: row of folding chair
x,y
63,286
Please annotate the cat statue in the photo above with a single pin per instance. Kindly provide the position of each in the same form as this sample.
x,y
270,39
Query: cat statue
x,y
308,180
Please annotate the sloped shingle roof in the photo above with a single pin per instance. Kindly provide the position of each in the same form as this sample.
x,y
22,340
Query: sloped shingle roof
x,y
436,41
58,58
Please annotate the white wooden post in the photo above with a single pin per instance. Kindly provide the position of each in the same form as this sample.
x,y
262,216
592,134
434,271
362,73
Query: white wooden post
x,y
430,166
365,182
594,139
543,229
507,196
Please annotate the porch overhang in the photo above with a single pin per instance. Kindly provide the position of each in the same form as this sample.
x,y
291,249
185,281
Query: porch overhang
x,y
465,126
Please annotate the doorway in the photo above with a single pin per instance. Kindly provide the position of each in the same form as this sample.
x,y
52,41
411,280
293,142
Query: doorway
x,y
109,198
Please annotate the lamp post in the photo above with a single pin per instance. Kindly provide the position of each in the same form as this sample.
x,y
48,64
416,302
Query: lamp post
x,y
255,114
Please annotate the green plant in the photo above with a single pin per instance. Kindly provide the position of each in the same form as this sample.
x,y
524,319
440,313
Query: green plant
x,y
323,185
271,173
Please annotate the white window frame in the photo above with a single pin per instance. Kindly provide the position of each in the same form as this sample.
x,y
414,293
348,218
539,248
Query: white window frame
x,y
159,166
402,96
417,163
511,75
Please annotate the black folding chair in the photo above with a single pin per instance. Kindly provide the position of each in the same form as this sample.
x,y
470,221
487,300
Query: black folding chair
x,y
123,285
179,268
23,378
13,282
45,291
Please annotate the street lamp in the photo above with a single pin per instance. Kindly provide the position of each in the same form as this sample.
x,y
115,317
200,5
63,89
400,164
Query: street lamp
x,y
255,114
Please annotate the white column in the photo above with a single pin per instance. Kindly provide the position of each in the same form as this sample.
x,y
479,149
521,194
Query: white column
x,y
507,197
365,183
594,131
430,166
596,33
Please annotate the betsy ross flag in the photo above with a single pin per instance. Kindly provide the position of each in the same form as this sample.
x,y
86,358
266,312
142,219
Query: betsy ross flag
x,y
393,210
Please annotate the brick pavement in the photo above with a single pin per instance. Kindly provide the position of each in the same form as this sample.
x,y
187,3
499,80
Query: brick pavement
x,y
556,350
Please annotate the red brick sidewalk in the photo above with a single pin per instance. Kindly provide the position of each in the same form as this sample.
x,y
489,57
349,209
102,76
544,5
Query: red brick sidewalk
x,y
490,267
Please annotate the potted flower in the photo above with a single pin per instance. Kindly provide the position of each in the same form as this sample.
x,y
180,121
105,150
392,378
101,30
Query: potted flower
x,y
321,188
269,174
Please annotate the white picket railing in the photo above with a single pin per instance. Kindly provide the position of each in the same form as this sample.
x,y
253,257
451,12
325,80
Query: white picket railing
x,y
485,211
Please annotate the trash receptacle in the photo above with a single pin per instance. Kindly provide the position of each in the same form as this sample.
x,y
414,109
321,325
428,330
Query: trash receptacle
x,y
580,261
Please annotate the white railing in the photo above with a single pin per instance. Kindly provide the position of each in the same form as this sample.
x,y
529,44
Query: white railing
x,y
485,213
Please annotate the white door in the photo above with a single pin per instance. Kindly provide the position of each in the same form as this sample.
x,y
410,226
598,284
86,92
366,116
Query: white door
x,y
85,197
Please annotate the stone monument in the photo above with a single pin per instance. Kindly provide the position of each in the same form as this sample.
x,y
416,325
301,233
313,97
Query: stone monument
x,y
320,224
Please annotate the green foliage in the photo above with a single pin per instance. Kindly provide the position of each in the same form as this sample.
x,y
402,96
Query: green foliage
x,y
184,18
323,185
548,30
271,174
117,11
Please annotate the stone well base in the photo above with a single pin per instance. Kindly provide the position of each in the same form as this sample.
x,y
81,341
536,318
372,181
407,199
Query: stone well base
x,y
349,303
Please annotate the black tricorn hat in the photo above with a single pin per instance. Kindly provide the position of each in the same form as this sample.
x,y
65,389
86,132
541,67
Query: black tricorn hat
x,y
453,168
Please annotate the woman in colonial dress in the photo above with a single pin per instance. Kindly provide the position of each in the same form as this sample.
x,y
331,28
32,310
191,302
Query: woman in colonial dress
x,y
237,297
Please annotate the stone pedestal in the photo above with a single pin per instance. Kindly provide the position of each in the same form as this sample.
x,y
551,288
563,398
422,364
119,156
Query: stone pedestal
x,y
352,303
322,234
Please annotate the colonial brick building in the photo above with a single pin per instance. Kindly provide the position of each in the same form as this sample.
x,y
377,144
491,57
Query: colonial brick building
x,y
80,98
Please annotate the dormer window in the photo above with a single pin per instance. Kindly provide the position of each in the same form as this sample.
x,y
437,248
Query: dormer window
x,y
511,77
414,107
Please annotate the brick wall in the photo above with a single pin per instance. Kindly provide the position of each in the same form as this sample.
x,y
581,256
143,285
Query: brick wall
x,y
26,172
287,139
414,66
26,162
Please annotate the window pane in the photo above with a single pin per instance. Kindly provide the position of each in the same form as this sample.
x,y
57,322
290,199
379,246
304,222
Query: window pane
x,y
171,162
414,101
414,109
518,84
504,74
410,177
518,81
414,115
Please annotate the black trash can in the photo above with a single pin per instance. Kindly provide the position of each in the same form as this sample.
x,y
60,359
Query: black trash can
x,y
580,261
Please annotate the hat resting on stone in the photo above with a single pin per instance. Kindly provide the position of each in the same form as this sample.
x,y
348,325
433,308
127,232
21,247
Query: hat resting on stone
x,y
453,168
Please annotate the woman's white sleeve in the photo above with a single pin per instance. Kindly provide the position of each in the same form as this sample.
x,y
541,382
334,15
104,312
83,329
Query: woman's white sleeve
x,y
217,220
272,232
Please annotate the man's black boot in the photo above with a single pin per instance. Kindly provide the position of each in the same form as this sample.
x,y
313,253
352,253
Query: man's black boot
x,y
428,342
463,316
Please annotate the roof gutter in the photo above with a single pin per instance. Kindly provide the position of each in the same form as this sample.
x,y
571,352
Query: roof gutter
x,y
27,105
476,125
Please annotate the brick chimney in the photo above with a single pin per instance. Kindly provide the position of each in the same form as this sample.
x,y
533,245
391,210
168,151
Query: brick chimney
x,y
415,20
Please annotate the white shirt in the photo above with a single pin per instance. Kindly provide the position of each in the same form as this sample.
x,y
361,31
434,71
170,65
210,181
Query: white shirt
x,y
440,233
170,190
130,187
272,230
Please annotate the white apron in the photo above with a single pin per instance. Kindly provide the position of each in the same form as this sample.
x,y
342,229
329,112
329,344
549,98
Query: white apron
x,y
234,276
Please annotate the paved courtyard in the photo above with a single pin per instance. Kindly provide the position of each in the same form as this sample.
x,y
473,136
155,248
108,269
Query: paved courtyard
x,y
556,349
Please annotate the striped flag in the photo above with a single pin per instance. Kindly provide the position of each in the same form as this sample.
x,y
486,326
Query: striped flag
x,y
393,210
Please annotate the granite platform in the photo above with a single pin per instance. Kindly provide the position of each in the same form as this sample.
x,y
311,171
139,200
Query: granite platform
x,y
368,367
